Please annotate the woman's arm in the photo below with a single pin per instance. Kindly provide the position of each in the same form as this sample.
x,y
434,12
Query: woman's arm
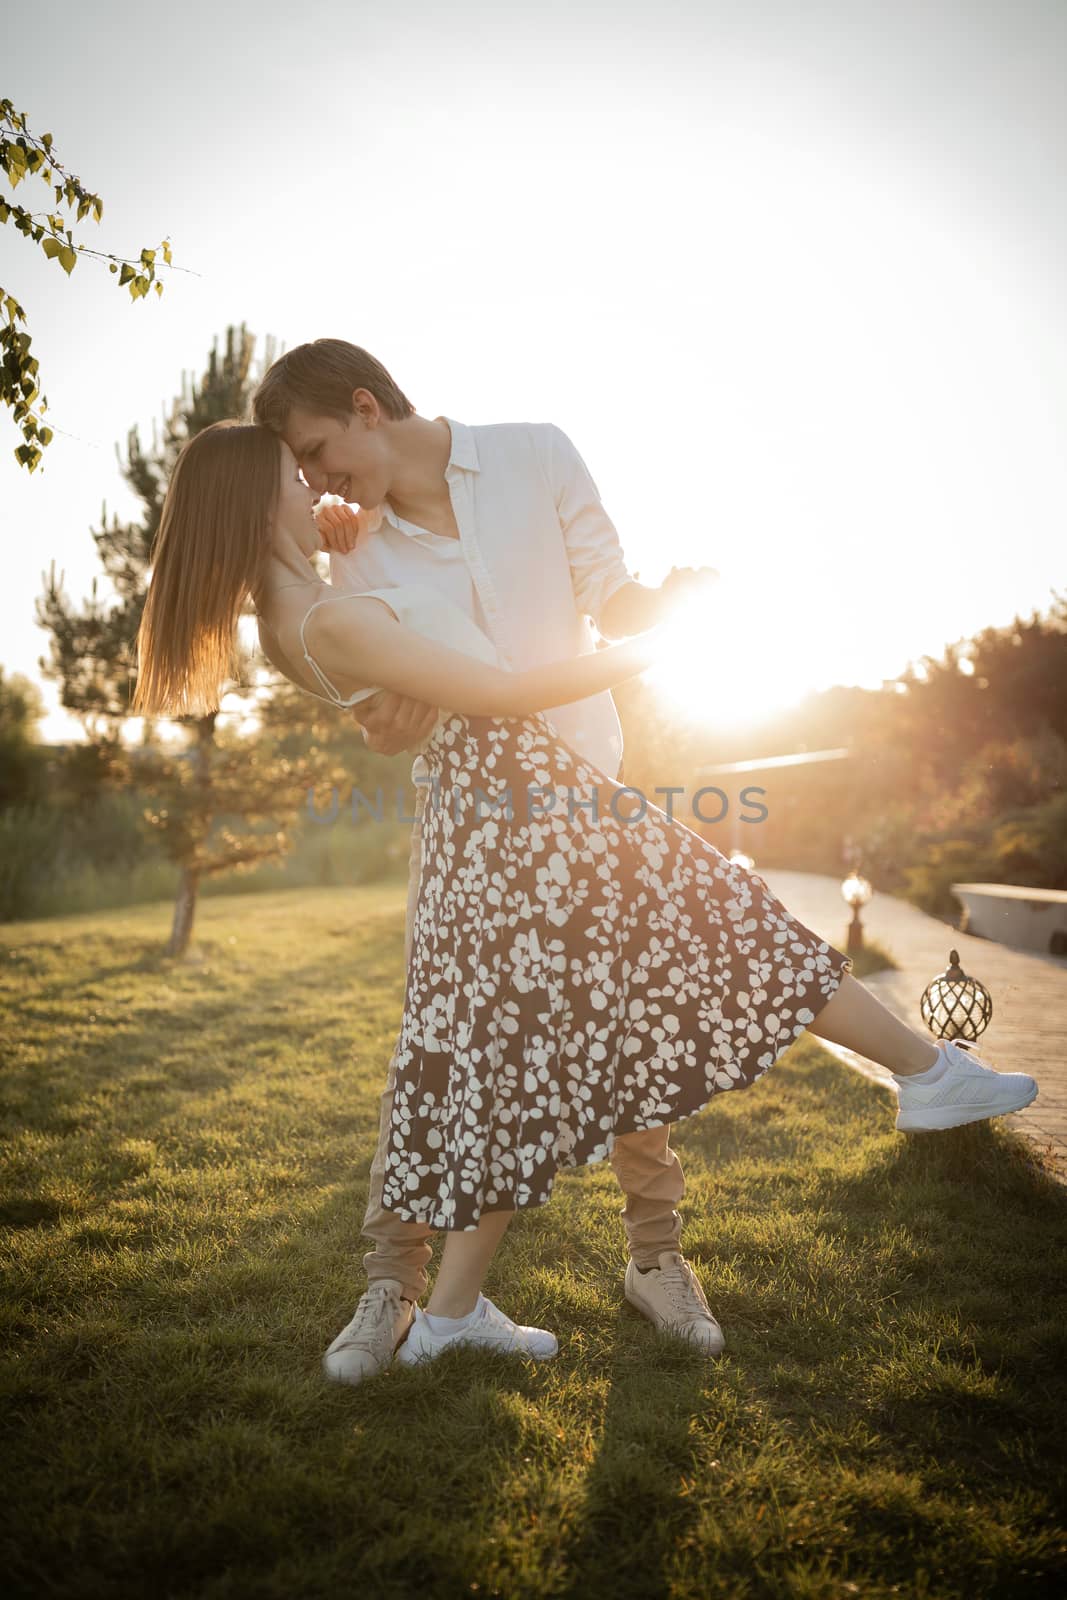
x,y
271,648
352,639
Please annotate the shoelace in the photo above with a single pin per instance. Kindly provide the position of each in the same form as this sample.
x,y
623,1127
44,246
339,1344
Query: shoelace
x,y
493,1314
683,1288
378,1301
966,1061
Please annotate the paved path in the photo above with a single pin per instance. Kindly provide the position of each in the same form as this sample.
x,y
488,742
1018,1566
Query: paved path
x,y
1028,1032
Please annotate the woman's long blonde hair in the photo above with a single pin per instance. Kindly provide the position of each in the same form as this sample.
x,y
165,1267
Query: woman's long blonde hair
x,y
210,553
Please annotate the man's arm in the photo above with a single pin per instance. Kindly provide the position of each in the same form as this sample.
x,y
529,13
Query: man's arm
x,y
631,609
603,588
598,567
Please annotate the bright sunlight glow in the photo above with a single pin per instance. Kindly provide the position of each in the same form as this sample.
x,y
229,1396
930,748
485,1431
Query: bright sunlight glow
x,y
719,669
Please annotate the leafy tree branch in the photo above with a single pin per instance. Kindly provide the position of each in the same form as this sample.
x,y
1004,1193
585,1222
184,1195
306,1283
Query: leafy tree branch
x,y
23,155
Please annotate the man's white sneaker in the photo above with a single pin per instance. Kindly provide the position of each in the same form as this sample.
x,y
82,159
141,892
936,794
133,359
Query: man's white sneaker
x,y
363,1348
967,1091
671,1296
488,1329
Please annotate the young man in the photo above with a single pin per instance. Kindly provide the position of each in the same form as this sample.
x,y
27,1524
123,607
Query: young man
x,y
506,521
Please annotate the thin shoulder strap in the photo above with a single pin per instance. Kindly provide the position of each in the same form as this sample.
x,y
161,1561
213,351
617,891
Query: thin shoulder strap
x,y
333,693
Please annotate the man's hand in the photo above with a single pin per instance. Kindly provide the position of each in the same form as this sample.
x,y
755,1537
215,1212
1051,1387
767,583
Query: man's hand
x,y
687,583
634,608
393,722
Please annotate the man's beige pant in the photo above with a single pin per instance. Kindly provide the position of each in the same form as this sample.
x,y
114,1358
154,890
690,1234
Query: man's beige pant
x,y
649,1172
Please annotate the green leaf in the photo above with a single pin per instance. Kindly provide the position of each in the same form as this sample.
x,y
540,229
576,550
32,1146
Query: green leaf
x,y
159,288
126,273
68,257
51,247
112,266
166,251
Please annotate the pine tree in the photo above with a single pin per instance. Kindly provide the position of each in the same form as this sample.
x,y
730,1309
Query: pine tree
x,y
223,801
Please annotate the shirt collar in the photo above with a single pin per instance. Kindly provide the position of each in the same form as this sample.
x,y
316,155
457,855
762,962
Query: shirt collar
x,y
464,452
463,456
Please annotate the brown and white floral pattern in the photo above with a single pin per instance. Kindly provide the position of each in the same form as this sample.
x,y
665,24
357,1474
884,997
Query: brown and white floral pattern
x,y
572,979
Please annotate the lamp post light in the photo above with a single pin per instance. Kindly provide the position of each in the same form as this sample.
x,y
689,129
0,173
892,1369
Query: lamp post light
x,y
856,891
955,1006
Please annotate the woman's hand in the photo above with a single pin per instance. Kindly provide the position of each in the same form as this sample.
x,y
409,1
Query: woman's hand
x,y
341,526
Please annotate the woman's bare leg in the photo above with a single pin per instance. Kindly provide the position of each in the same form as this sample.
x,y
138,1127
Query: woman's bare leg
x,y
853,1018
464,1262
860,1022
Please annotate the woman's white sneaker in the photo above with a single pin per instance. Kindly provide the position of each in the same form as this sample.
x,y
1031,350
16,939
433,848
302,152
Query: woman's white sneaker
x,y
967,1091
487,1329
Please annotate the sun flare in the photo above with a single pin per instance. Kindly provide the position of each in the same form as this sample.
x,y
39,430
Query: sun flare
x,y
717,670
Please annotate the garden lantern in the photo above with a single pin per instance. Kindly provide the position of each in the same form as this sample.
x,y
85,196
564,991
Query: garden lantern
x,y
954,1006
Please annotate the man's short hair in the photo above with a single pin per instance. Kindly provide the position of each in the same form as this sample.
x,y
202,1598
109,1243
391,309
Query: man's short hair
x,y
320,377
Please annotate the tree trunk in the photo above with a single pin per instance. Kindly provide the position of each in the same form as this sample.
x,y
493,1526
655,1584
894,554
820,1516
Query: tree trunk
x,y
184,912
189,882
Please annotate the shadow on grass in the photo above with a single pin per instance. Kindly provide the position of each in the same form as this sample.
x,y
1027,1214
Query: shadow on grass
x,y
890,1305
637,1507
987,1163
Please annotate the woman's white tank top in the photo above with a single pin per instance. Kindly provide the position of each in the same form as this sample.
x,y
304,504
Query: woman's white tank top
x,y
423,609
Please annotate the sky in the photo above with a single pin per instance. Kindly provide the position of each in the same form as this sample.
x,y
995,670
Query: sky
x,y
790,273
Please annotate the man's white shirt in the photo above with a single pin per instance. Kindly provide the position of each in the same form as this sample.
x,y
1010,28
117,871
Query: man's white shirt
x,y
537,557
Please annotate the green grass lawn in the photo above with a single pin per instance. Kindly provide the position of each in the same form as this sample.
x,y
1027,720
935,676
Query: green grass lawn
x,y
185,1155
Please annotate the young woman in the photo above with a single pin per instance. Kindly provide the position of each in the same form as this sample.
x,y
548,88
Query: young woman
x,y
577,970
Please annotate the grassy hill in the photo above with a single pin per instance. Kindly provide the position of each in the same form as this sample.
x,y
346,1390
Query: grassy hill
x,y
184,1160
